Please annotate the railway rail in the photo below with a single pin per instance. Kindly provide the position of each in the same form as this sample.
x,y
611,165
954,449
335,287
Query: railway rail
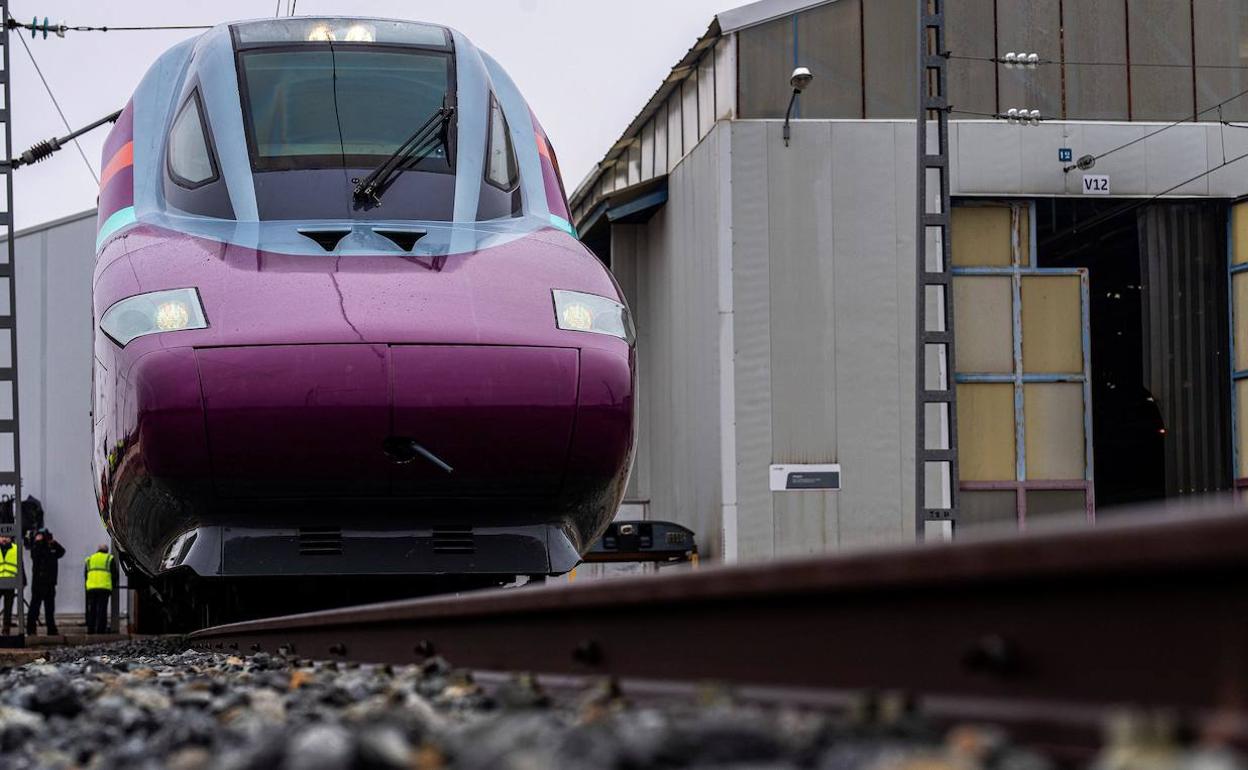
x,y
1047,634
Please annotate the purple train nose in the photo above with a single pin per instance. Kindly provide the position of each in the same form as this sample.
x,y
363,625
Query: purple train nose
x,y
413,421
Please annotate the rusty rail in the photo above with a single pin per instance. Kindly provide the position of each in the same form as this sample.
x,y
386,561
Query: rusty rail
x,y
1046,631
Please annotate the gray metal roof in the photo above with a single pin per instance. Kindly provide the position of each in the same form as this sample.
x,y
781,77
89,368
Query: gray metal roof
x,y
761,12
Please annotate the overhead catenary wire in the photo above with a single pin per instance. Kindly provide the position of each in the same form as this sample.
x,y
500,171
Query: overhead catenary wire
x,y
1187,119
59,111
1135,204
1166,127
60,29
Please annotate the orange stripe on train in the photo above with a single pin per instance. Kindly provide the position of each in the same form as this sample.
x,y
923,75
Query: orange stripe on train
x,y
122,158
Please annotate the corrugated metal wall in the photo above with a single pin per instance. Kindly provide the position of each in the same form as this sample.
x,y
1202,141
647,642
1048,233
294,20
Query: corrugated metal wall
x,y
54,266
1183,268
799,347
667,269
1120,59
822,297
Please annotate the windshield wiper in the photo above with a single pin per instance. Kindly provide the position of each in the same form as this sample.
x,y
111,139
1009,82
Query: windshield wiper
x,y
432,134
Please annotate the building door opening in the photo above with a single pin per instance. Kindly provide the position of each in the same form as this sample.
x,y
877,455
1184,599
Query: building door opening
x,y
1159,338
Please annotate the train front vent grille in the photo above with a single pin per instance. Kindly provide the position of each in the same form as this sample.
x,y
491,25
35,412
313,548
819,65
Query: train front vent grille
x,y
320,541
453,540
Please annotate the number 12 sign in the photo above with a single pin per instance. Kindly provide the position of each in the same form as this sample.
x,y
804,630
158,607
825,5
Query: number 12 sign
x,y
1095,184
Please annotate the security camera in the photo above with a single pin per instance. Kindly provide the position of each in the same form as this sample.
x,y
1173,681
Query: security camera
x,y
800,79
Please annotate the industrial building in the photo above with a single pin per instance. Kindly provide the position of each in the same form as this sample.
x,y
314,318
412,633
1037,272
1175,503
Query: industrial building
x,y
1101,346
54,262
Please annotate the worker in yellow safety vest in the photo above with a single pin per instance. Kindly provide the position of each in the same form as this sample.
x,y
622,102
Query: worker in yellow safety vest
x,y
8,570
100,573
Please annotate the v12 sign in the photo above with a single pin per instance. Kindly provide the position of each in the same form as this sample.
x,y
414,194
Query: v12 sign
x,y
1095,184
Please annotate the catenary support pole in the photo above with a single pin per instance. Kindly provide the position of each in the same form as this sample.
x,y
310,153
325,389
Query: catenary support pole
x,y
936,422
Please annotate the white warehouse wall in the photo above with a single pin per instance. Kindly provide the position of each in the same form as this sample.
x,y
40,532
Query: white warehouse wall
x,y
54,264
816,244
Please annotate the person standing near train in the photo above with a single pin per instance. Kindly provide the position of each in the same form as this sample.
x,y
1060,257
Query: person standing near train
x,y
8,569
100,573
45,552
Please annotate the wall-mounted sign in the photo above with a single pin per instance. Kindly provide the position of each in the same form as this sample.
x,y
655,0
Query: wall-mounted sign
x,y
805,478
1065,154
1095,184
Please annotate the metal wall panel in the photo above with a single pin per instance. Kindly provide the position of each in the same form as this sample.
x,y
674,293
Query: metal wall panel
x,y
647,150
54,267
1161,38
864,255
751,298
706,93
726,78
829,42
1183,268
628,264
1221,35
1031,26
970,31
678,357
889,28
675,131
1095,34
689,108
765,61
660,140
804,350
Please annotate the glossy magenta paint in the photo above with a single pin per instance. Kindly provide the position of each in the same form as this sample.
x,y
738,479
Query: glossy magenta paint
x,y
310,363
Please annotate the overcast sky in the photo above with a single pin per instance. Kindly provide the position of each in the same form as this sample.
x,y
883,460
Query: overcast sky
x,y
586,67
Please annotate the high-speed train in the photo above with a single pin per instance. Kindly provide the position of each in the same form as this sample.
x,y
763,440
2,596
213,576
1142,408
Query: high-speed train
x,y
343,324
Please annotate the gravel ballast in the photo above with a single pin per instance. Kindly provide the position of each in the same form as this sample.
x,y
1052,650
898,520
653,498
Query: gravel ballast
x,y
154,704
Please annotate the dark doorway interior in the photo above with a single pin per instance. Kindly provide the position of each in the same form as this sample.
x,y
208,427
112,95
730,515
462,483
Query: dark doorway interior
x,y
1159,338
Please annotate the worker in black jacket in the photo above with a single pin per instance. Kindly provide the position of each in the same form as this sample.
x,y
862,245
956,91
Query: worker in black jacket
x,y
44,553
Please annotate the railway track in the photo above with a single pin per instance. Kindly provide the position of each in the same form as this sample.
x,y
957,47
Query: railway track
x,y
1047,634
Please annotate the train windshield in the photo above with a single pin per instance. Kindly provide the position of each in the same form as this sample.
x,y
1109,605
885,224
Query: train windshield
x,y
325,102
322,107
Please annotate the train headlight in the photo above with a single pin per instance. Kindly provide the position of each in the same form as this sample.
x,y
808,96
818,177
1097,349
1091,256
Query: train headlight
x,y
360,33
579,312
157,311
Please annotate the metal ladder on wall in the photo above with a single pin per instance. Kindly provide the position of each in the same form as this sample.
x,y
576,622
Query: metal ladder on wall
x,y
936,420
10,475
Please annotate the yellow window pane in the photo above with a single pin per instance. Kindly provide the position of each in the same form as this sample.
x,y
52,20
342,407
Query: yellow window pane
x,y
1239,232
986,432
1053,430
1241,404
1052,324
983,322
1056,509
988,510
981,236
1239,286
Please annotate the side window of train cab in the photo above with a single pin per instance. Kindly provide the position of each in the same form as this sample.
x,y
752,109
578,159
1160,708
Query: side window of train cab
x,y
193,180
500,196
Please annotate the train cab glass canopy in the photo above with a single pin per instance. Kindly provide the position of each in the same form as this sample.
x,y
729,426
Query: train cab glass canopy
x,y
324,96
